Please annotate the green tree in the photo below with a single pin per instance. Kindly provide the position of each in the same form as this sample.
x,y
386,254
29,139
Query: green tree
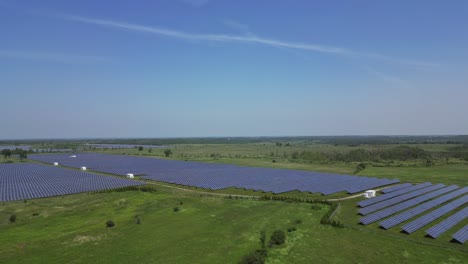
x,y
361,166
167,152
23,155
140,148
6,153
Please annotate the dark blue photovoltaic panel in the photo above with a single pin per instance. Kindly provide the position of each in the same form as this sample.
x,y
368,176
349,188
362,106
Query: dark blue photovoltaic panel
x,y
462,235
436,214
30,180
448,223
15,147
400,218
392,194
217,176
396,188
386,203
122,146
369,219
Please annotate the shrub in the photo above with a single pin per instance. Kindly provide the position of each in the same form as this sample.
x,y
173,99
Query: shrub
x,y
13,218
291,229
298,221
361,166
256,257
167,152
110,223
262,238
176,209
316,207
35,214
277,238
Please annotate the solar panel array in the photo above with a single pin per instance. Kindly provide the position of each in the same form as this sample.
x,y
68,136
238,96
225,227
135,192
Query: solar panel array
x,y
30,180
462,235
448,223
436,214
400,218
122,146
437,199
396,188
218,176
368,219
377,206
15,147
392,194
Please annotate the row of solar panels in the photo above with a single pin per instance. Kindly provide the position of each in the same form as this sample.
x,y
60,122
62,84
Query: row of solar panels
x,y
420,198
218,176
15,147
29,180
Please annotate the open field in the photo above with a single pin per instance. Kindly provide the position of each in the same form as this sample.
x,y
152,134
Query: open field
x,y
71,229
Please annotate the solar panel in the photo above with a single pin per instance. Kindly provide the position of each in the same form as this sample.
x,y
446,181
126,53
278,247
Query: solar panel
x,y
400,218
396,188
392,194
448,223
30,180
386,203
430,217
15,147
462,235
217,176
368,219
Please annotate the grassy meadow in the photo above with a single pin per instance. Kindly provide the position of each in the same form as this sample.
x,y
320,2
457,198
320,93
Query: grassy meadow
x,y
206,229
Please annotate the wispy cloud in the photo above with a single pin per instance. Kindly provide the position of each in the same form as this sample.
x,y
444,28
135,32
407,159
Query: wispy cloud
x,y
50,56
249,39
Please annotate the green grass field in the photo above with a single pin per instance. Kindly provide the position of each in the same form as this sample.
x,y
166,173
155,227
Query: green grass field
x,y
71,229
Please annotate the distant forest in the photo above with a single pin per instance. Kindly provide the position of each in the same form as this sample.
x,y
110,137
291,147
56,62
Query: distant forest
x,y
334,140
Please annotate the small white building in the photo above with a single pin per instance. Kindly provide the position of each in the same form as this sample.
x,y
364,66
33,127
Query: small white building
x,y
130,175
369,193
83,168
55,163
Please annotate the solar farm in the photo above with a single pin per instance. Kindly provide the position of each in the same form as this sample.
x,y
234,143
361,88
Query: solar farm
x,y
30,180
422,211
426,202
218,176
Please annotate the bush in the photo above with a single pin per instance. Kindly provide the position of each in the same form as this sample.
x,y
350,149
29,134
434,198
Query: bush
x,y
262,238
298,221
291,229
167,152
256,257
361,166
316,207
176,209
13,218
110,223
277,238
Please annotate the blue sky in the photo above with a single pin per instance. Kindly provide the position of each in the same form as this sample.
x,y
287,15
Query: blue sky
x,y
232,68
